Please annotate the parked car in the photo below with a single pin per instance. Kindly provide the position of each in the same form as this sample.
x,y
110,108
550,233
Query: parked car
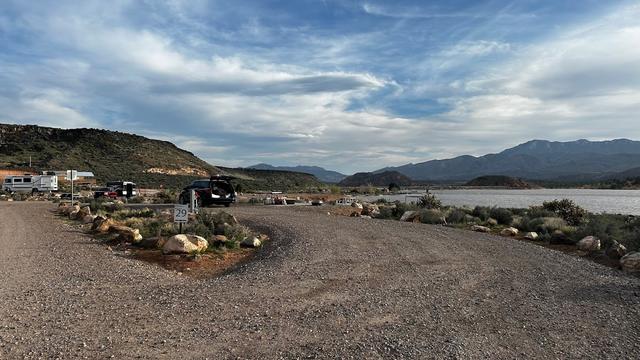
x,y
123,188
217,190
105,192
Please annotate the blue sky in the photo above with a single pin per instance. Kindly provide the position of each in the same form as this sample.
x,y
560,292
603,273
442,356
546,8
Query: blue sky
x,y
348,85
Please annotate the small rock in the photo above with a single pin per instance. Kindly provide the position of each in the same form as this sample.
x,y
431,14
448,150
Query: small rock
x,y
616,250
631,262
531,236
589,243
409,216
479,228
510,231
492,222
252,242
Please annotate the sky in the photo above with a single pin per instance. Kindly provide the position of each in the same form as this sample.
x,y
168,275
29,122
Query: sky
x,y
347,85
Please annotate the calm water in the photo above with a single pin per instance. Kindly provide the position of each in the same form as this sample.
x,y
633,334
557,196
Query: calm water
x,y
597,201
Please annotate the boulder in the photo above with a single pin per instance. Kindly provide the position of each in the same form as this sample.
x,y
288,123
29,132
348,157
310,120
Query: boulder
x,y
220,240
102,225
589,243
370,210
185,244
616,250
251,242
84,212
510,231
356,205
479,228
75,215
631,262
492,222
410,216
531,236
126,234
88,219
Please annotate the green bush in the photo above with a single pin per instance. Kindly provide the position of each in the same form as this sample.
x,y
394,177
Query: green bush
x,y
568,210
545,225
431,216
457,216
503,216
429,201
539,212
481,212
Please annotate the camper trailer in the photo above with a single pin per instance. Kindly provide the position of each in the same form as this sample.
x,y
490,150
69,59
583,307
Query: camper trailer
x,y
30,183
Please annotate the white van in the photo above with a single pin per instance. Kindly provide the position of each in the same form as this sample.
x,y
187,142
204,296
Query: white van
x,y
30,183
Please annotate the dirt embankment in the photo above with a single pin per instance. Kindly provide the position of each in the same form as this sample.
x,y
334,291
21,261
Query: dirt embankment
x,y
325,286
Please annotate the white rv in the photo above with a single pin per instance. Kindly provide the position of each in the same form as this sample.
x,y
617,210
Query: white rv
x,y
30,183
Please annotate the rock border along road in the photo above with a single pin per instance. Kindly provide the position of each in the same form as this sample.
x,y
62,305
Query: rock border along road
x,y
325,286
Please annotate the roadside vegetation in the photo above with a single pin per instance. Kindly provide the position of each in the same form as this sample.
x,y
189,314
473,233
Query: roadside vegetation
x,y
215,239
554,223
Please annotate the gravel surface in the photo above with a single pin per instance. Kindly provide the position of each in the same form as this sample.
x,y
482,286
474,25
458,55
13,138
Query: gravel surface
x,y
325,287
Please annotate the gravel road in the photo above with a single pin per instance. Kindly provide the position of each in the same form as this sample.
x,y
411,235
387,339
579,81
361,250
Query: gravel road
x,y
325,287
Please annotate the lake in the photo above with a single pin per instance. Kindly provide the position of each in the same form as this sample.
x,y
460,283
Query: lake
x,y
597,201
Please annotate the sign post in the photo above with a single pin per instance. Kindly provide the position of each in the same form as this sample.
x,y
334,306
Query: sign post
x,y
180,214
72,175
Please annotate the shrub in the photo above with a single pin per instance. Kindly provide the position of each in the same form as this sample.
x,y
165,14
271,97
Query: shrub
x,y
481,212
126,214
545,225
431,216
237,233
503,216
165,197
566,209
457,216
429,201
539,212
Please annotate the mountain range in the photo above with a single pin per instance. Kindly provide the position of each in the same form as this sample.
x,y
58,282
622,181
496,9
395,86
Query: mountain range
x,y
321,174
581,160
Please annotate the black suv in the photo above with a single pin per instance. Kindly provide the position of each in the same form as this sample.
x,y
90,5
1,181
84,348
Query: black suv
x,y
214,191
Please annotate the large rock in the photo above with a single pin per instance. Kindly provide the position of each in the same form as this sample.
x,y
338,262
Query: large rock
x,y
410,216
479,228
71,211
185,244
370,210
84,212
101,224
510,231
356,205
533,236
616,250
589,243
251,242
631,262
88,219
492,222
126,234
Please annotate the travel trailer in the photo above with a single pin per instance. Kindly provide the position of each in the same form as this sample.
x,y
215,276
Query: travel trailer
x,y
30,183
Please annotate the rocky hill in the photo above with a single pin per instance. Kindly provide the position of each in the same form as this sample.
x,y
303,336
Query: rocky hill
x,y
113,155
537,160
499,181
376,179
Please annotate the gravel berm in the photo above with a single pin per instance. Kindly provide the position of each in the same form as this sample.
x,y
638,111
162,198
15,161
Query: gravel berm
x,y
324,287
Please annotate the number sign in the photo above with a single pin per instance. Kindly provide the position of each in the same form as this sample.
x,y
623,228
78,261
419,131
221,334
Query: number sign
x,y
181,214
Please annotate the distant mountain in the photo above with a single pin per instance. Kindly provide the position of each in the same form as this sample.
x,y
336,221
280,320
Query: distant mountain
x,y
321,174
537,159
376,179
